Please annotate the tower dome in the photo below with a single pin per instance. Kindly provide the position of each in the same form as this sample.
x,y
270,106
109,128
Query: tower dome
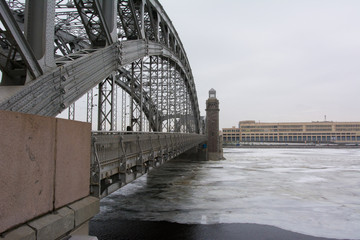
x,y
212,93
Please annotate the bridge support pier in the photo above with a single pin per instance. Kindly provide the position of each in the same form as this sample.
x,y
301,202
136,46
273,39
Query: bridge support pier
x,y
198,153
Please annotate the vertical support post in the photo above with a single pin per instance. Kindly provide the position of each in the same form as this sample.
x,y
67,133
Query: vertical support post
x,y
171,97
141,94
136,120
168,94
187,113
114,101
109,9
132,94
176,93
157,27
164,86
142,9
151,109
161,88
157,117
106,104
182,104
123,110
111,101
39,31
101,106
90,105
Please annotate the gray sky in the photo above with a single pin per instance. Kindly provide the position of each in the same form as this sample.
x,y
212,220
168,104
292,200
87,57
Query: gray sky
x,y
273,60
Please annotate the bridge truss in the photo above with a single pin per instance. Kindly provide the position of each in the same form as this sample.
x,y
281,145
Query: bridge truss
x,y
53,53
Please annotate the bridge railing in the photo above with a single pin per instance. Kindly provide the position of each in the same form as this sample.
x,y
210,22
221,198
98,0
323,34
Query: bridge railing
x,y
120,157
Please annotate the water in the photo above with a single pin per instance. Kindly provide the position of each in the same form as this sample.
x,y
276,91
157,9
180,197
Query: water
x,y
252,195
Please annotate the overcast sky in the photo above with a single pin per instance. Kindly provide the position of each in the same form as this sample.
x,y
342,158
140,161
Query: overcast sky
x,y
273,60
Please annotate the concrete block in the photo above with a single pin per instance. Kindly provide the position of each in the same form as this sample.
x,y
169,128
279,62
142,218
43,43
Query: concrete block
x,y
53,226
81,237
73,149
85,209
82,230
213,156
26,167
21,233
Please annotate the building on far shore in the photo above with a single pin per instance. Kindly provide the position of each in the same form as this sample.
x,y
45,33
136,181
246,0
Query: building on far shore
x,y
293,132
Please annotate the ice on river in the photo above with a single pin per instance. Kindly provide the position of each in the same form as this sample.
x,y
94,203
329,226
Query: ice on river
x,y
310,191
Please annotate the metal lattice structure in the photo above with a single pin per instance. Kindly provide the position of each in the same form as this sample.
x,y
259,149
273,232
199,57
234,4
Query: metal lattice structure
x,y
54,52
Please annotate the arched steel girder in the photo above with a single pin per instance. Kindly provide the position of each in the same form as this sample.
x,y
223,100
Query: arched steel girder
x,y
74,30
180,119
149,99
79,72
147,108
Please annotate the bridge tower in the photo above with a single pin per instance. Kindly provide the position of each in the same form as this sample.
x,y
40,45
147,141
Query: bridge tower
x,y
212,126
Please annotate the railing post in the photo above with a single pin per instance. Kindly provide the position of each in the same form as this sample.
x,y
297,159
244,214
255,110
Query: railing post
x,y
94,170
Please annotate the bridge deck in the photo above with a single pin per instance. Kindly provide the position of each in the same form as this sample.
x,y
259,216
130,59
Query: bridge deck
x,y
120,157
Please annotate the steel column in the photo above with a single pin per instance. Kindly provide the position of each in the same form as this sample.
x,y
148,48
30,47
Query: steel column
x,y
39,31
136,86
16,42
107,104
90,105
109,10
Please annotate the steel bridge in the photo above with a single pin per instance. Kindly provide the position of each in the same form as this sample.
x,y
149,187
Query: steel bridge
x,y
121,61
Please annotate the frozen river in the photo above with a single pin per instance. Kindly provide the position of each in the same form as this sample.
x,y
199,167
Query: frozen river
x,y
310,191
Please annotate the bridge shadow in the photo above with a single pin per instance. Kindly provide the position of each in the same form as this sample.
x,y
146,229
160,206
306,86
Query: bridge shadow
x,y
161,194
161,230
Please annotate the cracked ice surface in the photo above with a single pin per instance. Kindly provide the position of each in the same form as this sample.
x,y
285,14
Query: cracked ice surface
x,y
310,191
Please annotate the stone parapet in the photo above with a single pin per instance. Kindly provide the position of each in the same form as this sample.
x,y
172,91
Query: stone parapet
x,y
44,166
